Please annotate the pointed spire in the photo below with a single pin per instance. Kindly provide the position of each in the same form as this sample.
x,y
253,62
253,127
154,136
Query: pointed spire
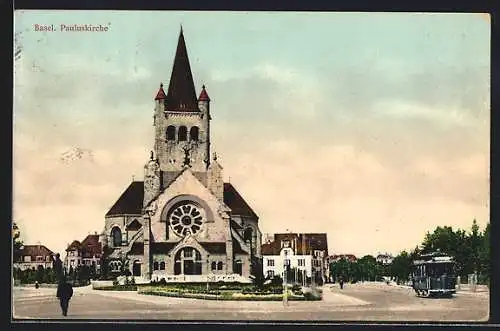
x,y
161,94
181,95
204,95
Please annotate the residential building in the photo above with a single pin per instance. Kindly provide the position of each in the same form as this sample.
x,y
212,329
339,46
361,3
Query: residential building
x,y
88,252
33,256
304,253
384,258
182,223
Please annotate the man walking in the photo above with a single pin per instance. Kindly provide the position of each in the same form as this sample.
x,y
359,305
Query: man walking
x,y
64,293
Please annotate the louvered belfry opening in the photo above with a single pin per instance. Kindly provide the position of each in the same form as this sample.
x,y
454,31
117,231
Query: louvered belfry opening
x,y
181,95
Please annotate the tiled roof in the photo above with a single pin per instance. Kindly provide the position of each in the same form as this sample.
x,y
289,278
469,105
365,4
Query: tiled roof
x,y
236,202
161,94
137,249
130,202
134,225
203,95
214,248
237,248
181,95
162,247
34,251
75,245
91,246
302,243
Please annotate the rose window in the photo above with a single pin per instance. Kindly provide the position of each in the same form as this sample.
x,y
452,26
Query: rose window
x,y
186,219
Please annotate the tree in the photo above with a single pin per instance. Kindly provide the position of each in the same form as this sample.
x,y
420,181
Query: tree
x,y
17,243
401,267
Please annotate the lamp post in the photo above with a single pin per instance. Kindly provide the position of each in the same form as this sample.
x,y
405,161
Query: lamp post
x,y
285,290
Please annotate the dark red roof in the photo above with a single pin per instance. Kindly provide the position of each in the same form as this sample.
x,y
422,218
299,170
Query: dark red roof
x,y
161,94
130,202
236,202
91,246
203,95
34,251
181,94
75,245
302,243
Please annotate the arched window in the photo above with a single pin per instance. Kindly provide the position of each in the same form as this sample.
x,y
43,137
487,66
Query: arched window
x,y
193,133
171,132
182,133
219,265
155,265
187,262
162,265
214,265
247,235
116,235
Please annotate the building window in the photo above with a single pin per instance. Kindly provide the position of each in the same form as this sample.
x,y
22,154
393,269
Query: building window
x,y
219,265
286,262
171,132
301,262
116,235
270,263
47,258
155,265
162,265
27,258
214,265
270,273
39,258
194,133
182,133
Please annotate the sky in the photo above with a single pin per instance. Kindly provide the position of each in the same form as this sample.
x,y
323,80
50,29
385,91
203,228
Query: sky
x,y
371,127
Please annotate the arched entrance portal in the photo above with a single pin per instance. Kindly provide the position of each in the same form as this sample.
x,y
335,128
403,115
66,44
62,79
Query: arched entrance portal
x,y
187,262
136,269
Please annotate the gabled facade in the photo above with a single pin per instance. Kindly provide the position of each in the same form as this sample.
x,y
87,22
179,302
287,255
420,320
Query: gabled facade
x,y
182,222
33,256
88,252
304,252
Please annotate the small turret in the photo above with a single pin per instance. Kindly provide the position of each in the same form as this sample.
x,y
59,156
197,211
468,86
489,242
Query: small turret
x,y
151,180
214,178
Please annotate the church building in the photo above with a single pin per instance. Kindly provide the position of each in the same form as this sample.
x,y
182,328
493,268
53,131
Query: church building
x,y
182,222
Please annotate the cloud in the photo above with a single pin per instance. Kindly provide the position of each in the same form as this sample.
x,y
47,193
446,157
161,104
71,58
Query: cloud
x,y
364,155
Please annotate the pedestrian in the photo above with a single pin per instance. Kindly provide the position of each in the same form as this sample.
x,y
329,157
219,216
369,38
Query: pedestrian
x,y
64,293
37,285
341,282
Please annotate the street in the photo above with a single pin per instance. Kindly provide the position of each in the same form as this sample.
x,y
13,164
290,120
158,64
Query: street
x,y
356,302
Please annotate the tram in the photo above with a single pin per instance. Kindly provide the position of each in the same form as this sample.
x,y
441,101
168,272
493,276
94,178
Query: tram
x,y
434,275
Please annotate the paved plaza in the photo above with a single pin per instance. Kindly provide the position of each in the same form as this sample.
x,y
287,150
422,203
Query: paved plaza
x,y
356,302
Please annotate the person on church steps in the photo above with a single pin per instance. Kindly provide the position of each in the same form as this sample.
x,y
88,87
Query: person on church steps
x,y
64,293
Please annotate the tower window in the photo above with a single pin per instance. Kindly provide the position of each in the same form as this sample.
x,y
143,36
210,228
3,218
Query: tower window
x,y
182,133
162,265
171,132
214,265
194,133
219,265
155,265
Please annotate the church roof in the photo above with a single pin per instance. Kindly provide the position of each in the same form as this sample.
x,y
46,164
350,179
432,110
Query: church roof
x,y
236,202
181,95
130,202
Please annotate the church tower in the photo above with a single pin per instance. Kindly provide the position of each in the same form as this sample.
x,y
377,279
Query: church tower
x,y
181,120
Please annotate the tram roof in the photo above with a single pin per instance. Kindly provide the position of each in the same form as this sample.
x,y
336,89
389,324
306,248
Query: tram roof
x,y
435,259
